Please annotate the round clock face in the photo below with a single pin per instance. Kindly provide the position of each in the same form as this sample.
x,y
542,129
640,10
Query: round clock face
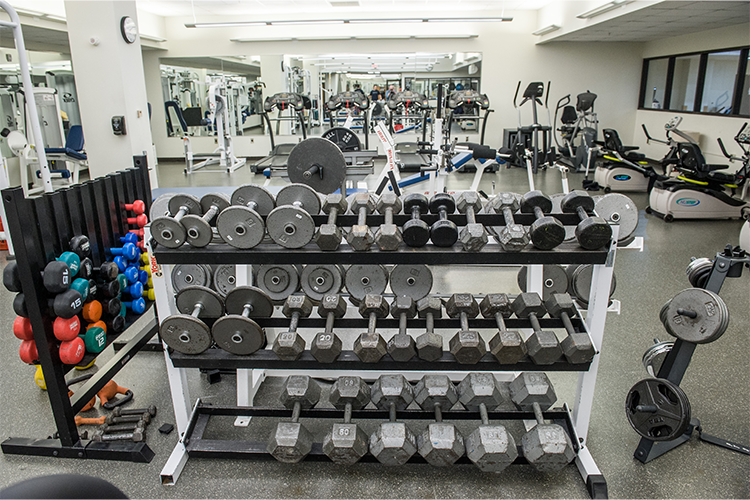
x,y
129,29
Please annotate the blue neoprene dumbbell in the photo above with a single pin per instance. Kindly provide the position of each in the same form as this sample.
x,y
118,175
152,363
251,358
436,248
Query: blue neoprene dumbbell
x,y
137,305
128,251
135,290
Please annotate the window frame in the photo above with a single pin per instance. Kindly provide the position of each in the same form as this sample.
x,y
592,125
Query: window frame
x,y
700,86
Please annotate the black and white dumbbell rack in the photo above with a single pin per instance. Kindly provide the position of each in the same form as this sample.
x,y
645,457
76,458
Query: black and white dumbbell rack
x,y
42,228
251,369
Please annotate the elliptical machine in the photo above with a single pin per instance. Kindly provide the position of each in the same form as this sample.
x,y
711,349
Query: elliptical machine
x,y
671,127
578,123
624,169
701,191
526,144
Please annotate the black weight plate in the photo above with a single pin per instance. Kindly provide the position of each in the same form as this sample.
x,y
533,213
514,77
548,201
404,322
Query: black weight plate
x,y
262,307
554,280
345,139
320,153
225,279
579,282
657,409
710,321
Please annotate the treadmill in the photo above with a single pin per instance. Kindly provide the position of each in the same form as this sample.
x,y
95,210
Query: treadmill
x,y
469,100
400,105
282,101
346,139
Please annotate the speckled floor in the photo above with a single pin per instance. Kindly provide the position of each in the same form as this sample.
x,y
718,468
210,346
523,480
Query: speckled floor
x,y
717,384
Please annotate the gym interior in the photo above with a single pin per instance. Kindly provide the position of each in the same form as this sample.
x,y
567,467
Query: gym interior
x,y
316,317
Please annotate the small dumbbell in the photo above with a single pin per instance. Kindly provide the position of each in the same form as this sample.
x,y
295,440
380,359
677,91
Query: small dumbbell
x,y
185,332
576,347
444,232
28,352
92,311
65,328
120,411
592,232
138,306
291,441
290,345
198,230
128,251
360,236
137,435
115,324
139,220
388,236
81,246
66,304
473,236
327,346
56,277
135,290
72,351
546,232
430,344
440,443
241,225
328,236
138,207
543,346
237,332
134,239
467,346
402,347
108,289
127,427
290,224
416,232
507,346
512,237
370,346
169,231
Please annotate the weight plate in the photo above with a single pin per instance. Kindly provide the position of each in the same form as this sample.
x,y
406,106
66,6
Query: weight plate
x,y
698,270
617,208
186,300
188,201
209,275
238,335
570,231
290,226
240,227
219,200
185,334
184,275
658,409
710,321
663,312
554,280
318,281
414,281
320,154
579,282
654,357
299,193
225,279
362,280
259,195
345,139
168,232
278,281
262,307
198,232
160,206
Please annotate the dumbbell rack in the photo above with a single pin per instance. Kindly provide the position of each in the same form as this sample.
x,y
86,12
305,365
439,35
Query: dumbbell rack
x,y
252,369
41,228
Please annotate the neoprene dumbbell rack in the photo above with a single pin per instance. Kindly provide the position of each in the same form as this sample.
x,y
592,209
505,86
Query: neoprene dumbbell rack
x,y
41,228
250,369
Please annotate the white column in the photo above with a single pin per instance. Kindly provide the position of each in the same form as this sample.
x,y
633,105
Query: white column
x,y
110,82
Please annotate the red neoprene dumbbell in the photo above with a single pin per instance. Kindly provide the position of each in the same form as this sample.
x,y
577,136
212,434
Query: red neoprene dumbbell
x,y
66,329
22,328
137,206
140,220
72,351
28,352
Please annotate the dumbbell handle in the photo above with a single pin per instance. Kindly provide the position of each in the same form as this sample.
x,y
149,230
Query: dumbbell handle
x,y
581,213
333,213
296,411
114,437
567,323
392,412
197,310
538,212
181,213
362,217
402,324
464,322
110,429
438,413
508,216
534,322
415,212
372,323
688,313
246,310
134,411
210,213
330,317
443,212
500,322
430,323
294,322
389,215
538,413
252,205
470,216
483,414
348,413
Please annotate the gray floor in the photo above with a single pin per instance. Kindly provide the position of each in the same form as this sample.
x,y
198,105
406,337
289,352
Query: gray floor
x,y
717,384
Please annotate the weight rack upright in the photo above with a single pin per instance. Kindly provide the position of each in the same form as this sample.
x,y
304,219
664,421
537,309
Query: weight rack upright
x,y
251,370
41,228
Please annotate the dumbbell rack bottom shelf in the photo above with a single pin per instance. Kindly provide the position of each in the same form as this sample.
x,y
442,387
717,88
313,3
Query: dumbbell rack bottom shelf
x,y
199,447
347,360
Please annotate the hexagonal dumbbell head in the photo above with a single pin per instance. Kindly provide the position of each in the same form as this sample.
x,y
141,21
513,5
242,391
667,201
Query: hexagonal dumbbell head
x,y
402,347
388,237
542,346
512,237
473,237
489,447
392,443
508,347
467,346
576,347
360,237
291,441
532,387
430,344
290,345
440,443
528,303
370,347
347,442
326,347
328,237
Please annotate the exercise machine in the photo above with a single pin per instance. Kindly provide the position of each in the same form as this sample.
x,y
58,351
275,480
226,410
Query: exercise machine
x,y
346,137
701,191
406,107
578,132
623,169
471,103
354,107
281,102
671,127
532,144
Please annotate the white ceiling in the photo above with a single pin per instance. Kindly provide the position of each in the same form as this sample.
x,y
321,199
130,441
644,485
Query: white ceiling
x,y
386,7
663,20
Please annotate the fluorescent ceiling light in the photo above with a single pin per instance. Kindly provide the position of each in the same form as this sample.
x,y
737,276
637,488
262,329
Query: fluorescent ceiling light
x,y
444,36
226,25
317,38
382,37
232,24
295,23
546,29
614,4
153,38
470,20
385,21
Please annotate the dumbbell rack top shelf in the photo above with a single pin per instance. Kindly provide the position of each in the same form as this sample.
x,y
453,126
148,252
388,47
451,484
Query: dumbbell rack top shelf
x,y
252,369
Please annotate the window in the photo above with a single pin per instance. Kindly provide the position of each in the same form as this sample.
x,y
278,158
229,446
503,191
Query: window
x,y
716,82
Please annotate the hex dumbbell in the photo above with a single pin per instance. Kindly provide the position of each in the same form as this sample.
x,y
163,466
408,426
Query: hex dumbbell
x,y
543,346
328,236
512,237
392,443
402,347
473,236
290,345
360,236
507,346
388,237
291,441
370,346
327,346
430,344
416,232
440,443
577,347
346,443
467,346
592,232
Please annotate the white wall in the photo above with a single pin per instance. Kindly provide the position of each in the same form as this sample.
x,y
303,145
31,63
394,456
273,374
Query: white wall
x,y
709,127
510,53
